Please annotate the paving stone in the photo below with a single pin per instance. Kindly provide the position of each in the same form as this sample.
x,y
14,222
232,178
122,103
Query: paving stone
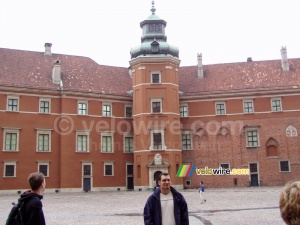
x,y
238,206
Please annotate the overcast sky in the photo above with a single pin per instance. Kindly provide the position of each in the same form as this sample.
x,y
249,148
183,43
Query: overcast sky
x,y
223,31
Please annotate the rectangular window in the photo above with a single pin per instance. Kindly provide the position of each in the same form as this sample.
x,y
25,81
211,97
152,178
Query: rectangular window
x,y
128,144
155,78
129,169
183,111
225,165
106,110
276,105
43,168
128,110
87,170
157,141
13,104
106,145
248,106
82,143
108,169
156,106
9,169
186,141
284,166
44,106
43,142
252,138
220,108
253,167
11,141
82,108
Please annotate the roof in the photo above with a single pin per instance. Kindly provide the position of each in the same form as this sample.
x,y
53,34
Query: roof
x,y
81,74
239,77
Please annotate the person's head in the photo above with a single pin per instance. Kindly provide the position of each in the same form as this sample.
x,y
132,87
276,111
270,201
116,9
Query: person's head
x,y
289,203
164,181
37,182
201,182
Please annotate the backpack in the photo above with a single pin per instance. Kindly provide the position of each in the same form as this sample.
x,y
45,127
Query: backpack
x,y
15,215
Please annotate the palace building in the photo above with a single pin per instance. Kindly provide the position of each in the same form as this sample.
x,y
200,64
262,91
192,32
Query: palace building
x,y
91,127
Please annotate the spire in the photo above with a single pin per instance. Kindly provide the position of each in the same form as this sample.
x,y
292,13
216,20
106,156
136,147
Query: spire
x,y
153,8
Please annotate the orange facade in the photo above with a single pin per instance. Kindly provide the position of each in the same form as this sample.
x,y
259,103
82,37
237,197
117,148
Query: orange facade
x,y
92,127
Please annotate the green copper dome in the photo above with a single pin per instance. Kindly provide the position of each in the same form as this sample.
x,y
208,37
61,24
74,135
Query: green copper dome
x,y
154,40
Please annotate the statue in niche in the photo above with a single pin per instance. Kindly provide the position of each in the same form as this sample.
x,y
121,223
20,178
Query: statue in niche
x,y
157,159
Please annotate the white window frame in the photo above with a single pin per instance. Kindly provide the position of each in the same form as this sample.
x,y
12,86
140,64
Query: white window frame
x,y
187,111
79,102
104,113
11,163
250,129
156,100
83,133
187,132
159,76
220,103
49,105
43,131
128,106
42,163
248,101
13,131
128,135
276,99
112,170
162,131
289,163
107,134
9,97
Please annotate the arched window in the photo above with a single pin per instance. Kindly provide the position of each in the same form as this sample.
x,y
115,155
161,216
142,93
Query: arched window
x,y
272,147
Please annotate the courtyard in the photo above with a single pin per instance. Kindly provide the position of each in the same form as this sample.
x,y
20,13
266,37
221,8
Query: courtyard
x,y
234,206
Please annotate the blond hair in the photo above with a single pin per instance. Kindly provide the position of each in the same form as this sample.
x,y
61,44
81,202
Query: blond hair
x,y
289,203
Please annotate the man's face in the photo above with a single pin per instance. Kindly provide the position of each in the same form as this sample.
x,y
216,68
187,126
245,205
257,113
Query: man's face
x,y
165,183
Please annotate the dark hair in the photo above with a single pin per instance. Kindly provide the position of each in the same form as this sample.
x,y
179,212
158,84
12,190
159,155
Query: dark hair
x,y
163,174
35,180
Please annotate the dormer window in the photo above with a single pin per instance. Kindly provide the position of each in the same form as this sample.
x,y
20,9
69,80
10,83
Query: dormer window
x,y
154,46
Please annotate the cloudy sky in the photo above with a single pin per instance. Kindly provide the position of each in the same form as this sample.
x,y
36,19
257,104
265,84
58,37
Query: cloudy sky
x,y
223,31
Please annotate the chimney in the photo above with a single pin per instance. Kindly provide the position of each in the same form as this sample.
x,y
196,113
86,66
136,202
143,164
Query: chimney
x,y
249,59
284,61
47,48
200,66
56,72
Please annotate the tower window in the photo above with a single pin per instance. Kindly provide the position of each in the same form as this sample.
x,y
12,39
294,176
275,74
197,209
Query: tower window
x,y
155,47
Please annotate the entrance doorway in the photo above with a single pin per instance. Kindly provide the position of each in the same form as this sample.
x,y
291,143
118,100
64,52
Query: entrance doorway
x,y
87,180
254,174
155,178
129,176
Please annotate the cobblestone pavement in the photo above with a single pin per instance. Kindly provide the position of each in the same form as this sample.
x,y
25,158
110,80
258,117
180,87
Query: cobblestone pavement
x,y
237,206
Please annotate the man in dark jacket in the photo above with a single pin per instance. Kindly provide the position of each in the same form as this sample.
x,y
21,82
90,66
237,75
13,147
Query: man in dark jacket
x,y
166,206
32,209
